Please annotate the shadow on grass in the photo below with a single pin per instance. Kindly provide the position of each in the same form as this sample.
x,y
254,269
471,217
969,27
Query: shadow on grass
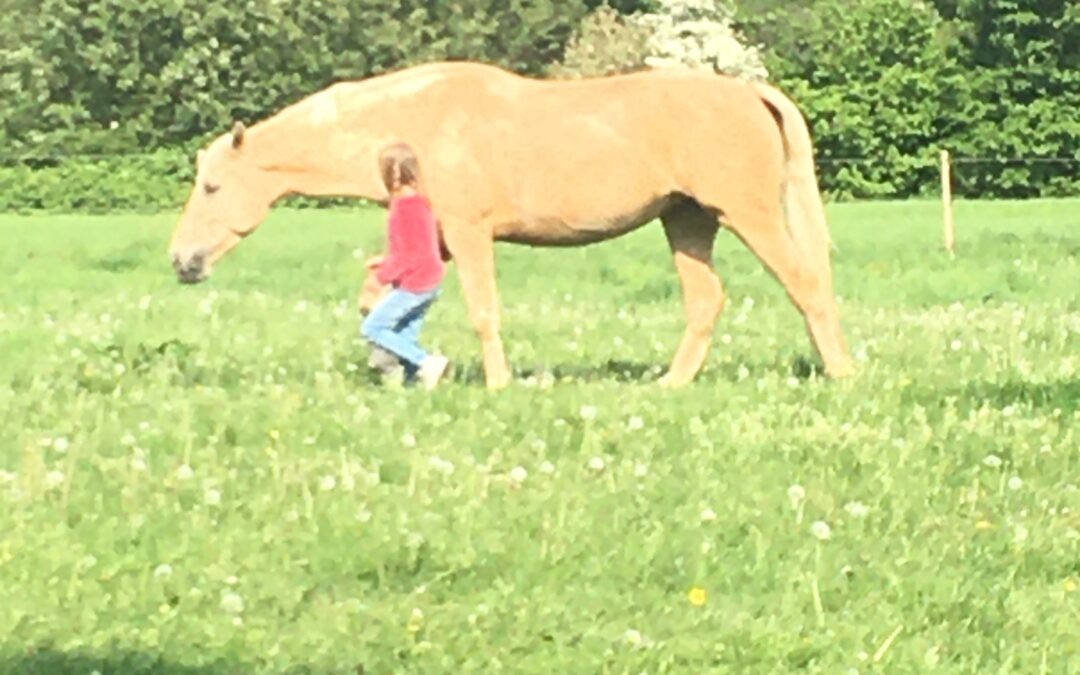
x,y
612,370
50,662
1063,394
639,372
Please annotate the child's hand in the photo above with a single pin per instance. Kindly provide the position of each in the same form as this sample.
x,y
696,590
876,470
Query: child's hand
x,y
375,262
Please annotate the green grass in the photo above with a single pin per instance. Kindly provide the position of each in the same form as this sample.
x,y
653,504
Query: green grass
x,y
205,479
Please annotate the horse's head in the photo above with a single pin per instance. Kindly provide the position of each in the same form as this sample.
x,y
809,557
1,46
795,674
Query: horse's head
x,y
230,198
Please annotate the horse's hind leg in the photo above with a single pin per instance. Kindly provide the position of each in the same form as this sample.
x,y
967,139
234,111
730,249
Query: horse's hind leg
x,y
691,231
760,225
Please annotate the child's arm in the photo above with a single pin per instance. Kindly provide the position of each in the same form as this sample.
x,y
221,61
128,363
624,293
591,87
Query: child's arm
x,y
389,267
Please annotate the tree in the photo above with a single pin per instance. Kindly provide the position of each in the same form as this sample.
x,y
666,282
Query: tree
x,y
674,33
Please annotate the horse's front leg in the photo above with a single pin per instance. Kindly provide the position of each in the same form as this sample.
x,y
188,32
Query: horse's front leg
x,y
474,250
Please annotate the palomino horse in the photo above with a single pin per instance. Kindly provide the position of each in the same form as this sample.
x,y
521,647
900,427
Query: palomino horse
x,y
547,163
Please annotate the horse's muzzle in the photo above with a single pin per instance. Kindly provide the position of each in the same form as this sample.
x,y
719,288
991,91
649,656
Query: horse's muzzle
x,y
192,270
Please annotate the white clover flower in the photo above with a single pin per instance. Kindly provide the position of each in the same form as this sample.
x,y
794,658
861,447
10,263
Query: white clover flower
x,y
328,483
588,412
633,638
408,440
127,439
1020,534
1015,483
547,468
796,494
54,479
956,345
441,465
185,473
138,464
597,464
641,469
857,510
821,530
635,423
232,603
708,516
163,571
212,497
518,475
61,445
992,461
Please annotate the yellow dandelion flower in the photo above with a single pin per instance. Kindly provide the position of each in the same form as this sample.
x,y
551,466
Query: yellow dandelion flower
x,y
1070,585
416,621
275,434
697,596
984,525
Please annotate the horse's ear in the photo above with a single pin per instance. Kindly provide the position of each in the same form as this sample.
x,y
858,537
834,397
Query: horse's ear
x,y
238,134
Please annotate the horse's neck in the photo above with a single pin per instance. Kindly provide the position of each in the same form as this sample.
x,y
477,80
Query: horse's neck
x,y
309,154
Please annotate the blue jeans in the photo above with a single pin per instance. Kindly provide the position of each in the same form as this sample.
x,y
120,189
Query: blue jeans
x,y
394,324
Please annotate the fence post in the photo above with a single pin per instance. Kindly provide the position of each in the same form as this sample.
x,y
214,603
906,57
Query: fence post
x,y
946,200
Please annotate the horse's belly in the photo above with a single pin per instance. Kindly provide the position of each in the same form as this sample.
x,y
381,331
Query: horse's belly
x,y
565,229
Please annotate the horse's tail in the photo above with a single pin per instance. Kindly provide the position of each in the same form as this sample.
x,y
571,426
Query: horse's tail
x,y
805,212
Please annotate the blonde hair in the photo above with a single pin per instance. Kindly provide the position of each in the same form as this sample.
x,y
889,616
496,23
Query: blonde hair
x,y
399,167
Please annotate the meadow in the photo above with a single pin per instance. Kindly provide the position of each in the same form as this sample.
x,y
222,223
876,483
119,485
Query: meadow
x,y
204,480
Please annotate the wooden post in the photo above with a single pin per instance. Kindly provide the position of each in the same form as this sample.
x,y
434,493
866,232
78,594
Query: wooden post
x,y
946,200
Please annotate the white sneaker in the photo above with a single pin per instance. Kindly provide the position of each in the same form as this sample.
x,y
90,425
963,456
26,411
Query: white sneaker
x,y
432,370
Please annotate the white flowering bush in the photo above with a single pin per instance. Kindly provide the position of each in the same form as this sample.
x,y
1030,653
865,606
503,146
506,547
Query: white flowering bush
x,y
696,34
700,34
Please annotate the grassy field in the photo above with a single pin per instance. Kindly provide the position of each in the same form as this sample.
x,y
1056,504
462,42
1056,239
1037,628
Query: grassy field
x,y
204,480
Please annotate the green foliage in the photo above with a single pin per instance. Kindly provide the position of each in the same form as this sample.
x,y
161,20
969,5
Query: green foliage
x,y
606,43
872,77
892,81
1021,95
203,480
148,183
171,72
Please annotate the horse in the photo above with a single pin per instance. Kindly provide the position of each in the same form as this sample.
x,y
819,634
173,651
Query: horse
x,y
547,163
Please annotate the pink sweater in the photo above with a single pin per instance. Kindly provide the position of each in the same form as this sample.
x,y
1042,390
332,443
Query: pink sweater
x,y
414,260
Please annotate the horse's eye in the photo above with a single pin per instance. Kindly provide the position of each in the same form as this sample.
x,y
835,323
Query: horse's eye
x,y
211,188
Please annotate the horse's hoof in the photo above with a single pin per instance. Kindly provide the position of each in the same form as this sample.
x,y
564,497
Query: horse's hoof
x,y
669,382
841,372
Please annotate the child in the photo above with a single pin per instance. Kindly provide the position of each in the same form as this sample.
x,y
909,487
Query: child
x,y
413,267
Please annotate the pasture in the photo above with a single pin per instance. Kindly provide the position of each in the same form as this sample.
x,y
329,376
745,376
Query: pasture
x,y
203,480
